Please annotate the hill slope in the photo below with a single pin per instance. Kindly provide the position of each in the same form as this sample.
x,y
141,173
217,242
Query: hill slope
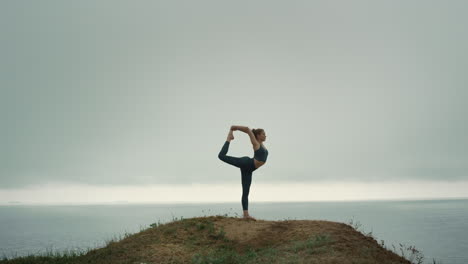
x,y
219,239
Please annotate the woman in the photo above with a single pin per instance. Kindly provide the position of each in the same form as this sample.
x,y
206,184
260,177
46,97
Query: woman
x,y
246,164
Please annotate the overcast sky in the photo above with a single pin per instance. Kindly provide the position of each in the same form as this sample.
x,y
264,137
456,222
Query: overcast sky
x,y
138,93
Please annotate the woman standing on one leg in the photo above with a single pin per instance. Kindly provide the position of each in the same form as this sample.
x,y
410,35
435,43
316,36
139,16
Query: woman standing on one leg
x,y
246,164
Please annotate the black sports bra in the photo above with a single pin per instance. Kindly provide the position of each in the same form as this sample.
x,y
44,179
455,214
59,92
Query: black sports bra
x,y
261,154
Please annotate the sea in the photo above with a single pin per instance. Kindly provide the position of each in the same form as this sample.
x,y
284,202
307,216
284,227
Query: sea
x,y
438,229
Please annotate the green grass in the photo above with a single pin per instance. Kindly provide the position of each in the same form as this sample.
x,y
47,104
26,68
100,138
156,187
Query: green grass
x,y
47,257
229,255
312,244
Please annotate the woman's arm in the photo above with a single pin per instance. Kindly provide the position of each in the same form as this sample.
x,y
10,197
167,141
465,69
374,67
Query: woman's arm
x,y
248,131
241,128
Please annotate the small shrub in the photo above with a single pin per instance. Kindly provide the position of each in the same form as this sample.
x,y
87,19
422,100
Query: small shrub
x,y
155,225
356,225
221,234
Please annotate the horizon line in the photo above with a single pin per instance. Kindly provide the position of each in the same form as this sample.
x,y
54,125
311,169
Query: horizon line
x,y
14,203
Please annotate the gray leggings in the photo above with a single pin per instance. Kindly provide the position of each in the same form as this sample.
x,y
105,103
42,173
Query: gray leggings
x,y
246,165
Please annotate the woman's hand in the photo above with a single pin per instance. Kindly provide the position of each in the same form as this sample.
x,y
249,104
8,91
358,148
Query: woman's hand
x,y
233,128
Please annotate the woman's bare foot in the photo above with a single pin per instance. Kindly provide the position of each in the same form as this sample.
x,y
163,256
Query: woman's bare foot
x,y
230,136
248,217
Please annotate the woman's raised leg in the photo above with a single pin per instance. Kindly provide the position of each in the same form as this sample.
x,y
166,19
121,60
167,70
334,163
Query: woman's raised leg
x,y
234,161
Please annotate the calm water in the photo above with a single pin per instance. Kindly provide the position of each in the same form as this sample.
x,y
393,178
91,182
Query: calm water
x,y
438,228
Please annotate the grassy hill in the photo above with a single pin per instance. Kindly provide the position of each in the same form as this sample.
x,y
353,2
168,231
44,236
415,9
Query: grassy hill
x,y
222,239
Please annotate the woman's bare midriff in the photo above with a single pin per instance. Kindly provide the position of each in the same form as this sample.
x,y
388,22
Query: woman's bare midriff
x,y
258,164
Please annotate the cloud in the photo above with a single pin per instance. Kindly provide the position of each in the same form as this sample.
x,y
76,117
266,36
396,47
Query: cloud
x,y
145,94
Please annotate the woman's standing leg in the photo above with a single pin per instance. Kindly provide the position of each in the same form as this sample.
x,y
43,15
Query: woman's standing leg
x,y
246,182
247,172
